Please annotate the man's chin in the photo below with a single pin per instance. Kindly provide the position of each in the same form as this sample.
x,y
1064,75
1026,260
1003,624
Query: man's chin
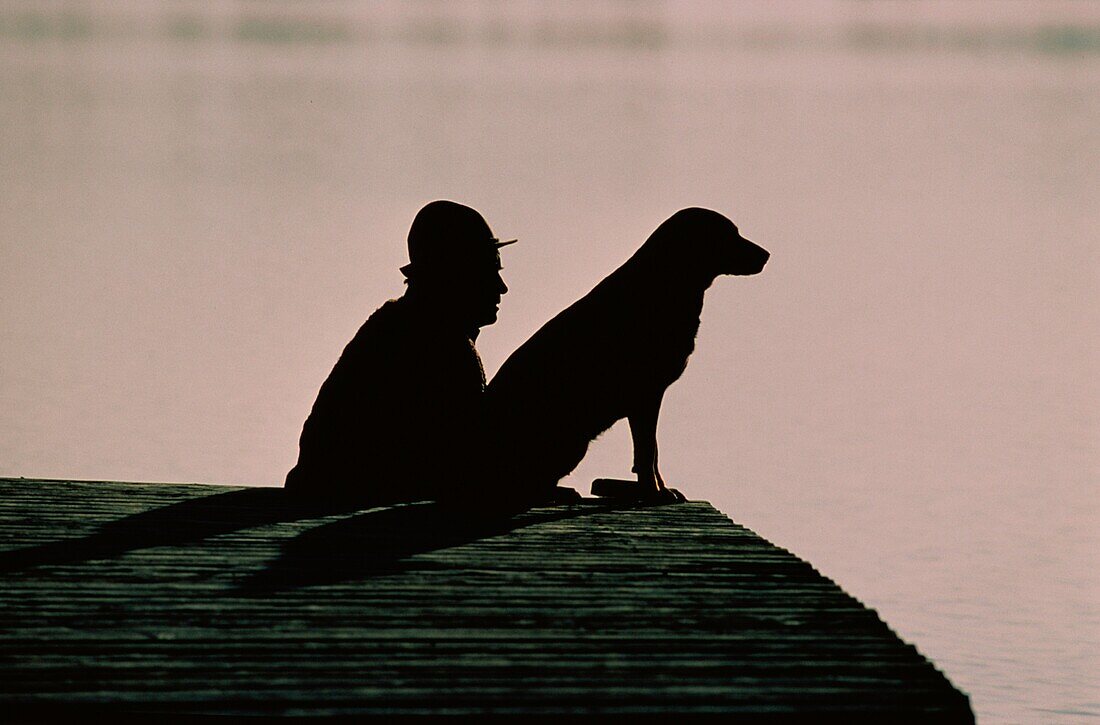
x,y
488,318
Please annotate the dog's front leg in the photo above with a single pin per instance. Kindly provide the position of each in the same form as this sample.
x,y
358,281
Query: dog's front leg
x,y
643,431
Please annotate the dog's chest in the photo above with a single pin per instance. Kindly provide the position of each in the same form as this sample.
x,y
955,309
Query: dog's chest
x,y
671,340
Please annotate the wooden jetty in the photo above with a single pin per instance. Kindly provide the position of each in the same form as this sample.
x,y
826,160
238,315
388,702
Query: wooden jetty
x,y
198,600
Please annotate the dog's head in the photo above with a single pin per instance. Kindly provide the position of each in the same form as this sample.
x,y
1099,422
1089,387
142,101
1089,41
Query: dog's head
x,y
708,242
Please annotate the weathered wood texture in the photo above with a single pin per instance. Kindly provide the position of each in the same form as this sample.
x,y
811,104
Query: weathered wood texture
x,y
211,599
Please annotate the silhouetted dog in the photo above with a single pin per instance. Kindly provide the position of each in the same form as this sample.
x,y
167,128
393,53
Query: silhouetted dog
x,y
612,353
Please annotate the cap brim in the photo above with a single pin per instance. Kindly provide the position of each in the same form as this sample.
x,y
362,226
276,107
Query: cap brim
x,y
409,269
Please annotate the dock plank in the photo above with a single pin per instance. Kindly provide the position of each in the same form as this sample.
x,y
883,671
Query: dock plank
x,y
215,600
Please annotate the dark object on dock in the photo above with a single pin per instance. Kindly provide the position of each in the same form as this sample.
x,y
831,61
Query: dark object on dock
x,y
126,599
615,488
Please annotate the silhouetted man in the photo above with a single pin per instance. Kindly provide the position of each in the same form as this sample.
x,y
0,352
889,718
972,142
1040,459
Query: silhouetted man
x,y
400,416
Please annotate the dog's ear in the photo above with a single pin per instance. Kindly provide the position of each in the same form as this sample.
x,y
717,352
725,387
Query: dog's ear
x,y
694,236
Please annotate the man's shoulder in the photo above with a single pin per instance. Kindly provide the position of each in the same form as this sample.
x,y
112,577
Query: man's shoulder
x,y
391,318
382,329
401,325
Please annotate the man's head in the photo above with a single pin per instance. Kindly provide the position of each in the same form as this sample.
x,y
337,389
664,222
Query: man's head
x,y
453,259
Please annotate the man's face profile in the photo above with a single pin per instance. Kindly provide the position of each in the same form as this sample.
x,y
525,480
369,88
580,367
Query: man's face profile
x,y
485,289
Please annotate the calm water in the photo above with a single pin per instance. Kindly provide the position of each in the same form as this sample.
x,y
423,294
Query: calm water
x,y
200,207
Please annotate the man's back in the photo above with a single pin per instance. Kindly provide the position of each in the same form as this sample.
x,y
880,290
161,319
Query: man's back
x,y
400,413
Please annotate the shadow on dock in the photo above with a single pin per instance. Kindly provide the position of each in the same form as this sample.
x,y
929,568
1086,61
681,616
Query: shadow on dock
x,y
384,541
179,523
363,544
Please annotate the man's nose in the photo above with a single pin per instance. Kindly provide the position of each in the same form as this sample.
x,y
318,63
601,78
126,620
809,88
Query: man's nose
x,y
501,287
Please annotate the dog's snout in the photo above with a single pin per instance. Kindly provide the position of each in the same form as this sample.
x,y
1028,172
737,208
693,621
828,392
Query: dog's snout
x,y
757,247
757,254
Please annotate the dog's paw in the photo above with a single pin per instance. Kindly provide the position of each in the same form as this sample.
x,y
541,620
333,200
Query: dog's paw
x,y
667,495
